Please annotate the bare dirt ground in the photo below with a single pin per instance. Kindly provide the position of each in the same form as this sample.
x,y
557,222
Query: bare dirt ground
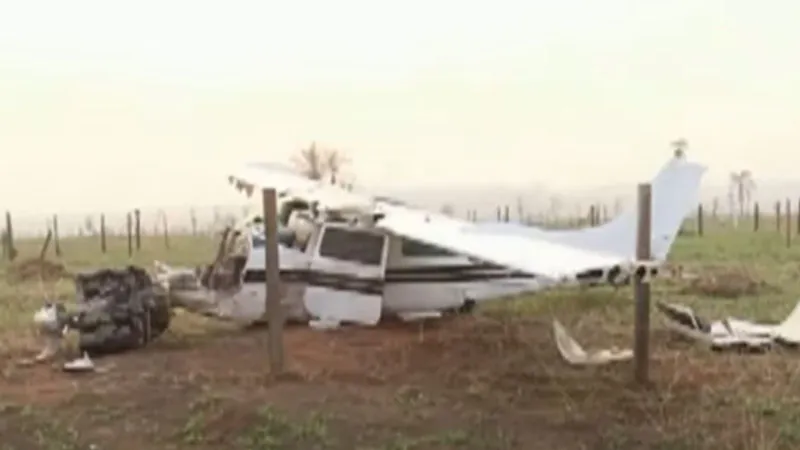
x,y
491,380
478,382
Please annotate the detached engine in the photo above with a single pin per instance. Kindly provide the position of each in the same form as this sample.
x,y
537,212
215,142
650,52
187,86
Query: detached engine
x,y
118,310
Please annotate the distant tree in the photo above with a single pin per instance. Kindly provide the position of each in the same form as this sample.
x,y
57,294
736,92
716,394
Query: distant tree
x,y
618,206
193,220
556,204
740,193
323,164
88,225
447,209
520,209
310,161
715,207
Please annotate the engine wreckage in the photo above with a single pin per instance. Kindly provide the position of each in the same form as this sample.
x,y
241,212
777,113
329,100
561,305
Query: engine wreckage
x,y
116,310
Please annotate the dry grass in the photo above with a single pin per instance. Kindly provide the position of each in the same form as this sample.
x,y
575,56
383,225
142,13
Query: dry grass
x,y
488,381
728,282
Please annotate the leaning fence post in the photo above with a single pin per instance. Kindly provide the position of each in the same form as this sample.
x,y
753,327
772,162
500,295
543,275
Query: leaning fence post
x,y
45,245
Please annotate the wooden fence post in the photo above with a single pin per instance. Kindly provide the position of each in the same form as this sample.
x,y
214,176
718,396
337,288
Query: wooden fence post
x,y
756,216
45,245
165,225
788,223
11,249
778,215
138,223
798,216
56,240
642,288
103,247
699,219
130,234
273,282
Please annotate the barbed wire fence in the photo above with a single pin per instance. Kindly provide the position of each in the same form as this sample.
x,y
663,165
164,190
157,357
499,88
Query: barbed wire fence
x,y
780,216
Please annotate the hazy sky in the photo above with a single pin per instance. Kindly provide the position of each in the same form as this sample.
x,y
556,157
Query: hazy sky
x,y
104,105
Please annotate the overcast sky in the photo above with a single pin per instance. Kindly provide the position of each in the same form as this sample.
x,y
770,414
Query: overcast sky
x,y
103,104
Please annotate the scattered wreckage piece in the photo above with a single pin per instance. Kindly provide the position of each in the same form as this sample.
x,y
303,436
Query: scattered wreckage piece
x,y
731,333
117,310
49,320
574,353
79,365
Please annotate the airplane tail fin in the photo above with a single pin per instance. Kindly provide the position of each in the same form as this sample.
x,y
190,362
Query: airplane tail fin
x,y
675,194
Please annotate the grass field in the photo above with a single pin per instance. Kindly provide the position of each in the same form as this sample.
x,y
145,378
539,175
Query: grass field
x,y
492,380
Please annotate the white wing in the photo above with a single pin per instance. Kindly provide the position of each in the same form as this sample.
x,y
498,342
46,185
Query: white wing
x,y
288,182
538,256
533,255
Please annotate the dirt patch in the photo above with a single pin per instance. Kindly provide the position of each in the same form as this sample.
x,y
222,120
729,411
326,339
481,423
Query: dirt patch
x,y
726,282
469,382
32,269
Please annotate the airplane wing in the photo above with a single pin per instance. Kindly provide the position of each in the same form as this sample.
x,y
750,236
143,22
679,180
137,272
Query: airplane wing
x,y
291,183
529,254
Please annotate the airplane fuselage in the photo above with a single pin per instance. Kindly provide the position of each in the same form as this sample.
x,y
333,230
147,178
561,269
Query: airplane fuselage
x,y
408,277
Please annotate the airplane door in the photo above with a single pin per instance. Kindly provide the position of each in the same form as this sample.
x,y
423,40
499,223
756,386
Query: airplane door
x,y
345,278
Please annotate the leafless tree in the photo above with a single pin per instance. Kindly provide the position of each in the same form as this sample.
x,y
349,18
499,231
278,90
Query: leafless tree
x,y
310,162
556,204
447,209
740,193
715,207
193,219
618,206
88,225
520,209
322,164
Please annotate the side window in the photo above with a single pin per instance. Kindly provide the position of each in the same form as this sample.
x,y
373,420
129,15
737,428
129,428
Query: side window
x,y
412,247
352,245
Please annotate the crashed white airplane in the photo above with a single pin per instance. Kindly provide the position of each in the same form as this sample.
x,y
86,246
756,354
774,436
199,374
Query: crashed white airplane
x,y
366,257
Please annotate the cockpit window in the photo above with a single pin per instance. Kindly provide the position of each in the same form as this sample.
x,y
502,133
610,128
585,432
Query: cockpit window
x,y
358,246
